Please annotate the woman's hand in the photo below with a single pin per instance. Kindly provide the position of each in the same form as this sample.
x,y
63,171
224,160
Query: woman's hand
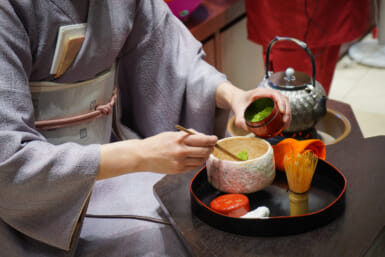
x,y
242,100
176,152
167,152
231,97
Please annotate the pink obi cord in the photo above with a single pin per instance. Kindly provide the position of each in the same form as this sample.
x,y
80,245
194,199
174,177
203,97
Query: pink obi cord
x,y
100,110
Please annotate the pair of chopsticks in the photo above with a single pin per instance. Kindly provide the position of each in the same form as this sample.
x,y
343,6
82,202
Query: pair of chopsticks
x,y
179,127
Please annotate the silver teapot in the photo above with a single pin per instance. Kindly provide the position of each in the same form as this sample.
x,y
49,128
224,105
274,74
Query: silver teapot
x,y
306,95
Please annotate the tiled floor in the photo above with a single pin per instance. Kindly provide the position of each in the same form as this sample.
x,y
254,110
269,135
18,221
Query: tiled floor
x,y
362,87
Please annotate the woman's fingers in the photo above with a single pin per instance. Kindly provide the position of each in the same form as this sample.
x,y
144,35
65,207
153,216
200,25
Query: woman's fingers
x,y
197,152
198,145
281,100
200,140
194,162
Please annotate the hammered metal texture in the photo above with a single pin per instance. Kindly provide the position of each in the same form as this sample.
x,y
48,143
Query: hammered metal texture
x,y
305,104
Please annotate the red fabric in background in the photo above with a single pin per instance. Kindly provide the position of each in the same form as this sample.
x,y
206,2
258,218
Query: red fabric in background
x,y
324,25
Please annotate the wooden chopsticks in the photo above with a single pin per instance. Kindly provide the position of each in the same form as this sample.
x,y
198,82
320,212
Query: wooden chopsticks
x,y
179,127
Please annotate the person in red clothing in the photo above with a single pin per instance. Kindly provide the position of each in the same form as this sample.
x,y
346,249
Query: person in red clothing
x,y
323,25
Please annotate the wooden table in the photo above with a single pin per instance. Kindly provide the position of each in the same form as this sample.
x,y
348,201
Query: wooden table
x,y
359,231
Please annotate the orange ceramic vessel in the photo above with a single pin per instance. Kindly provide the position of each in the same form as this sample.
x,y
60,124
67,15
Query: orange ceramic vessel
x,y
270,126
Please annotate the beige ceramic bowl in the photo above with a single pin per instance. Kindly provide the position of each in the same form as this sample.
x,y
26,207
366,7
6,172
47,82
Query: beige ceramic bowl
x,y
242,177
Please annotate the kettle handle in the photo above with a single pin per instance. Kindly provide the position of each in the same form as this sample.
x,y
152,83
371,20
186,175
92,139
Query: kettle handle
x,y
298,42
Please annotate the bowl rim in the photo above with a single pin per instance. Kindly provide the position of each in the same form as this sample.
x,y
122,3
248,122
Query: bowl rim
x,y
267,119
269,149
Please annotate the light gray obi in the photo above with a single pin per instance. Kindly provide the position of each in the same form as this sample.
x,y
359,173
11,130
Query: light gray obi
x,y
79,112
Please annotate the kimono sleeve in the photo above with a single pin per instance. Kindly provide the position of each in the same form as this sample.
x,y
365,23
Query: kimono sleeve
x,y
43,188
163,77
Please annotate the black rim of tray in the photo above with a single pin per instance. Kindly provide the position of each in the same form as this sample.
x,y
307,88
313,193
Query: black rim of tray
x,y
275,225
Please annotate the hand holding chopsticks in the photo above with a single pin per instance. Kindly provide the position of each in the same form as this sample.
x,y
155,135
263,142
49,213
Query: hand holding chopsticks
x,y
179,127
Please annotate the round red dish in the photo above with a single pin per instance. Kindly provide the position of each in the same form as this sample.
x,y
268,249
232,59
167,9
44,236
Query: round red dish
x,y
233,205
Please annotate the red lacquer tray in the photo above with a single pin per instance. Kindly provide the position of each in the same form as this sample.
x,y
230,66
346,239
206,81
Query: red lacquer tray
x,y
326,202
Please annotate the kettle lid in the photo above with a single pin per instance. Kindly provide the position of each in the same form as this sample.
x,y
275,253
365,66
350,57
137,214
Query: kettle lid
x,y
289,80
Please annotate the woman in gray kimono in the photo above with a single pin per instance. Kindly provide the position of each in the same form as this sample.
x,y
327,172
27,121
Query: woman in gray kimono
x,y
45,177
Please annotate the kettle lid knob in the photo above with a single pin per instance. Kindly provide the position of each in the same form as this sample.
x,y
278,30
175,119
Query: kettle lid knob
x,y
289,80
289,74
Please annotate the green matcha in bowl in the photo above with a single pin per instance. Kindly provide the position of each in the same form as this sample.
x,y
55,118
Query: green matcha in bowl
x,y
264,118
255,173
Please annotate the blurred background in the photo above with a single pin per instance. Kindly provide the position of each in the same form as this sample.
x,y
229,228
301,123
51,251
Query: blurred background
x,y
222,27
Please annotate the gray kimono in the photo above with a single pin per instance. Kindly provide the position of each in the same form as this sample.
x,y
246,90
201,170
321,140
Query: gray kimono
x,y
163,81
